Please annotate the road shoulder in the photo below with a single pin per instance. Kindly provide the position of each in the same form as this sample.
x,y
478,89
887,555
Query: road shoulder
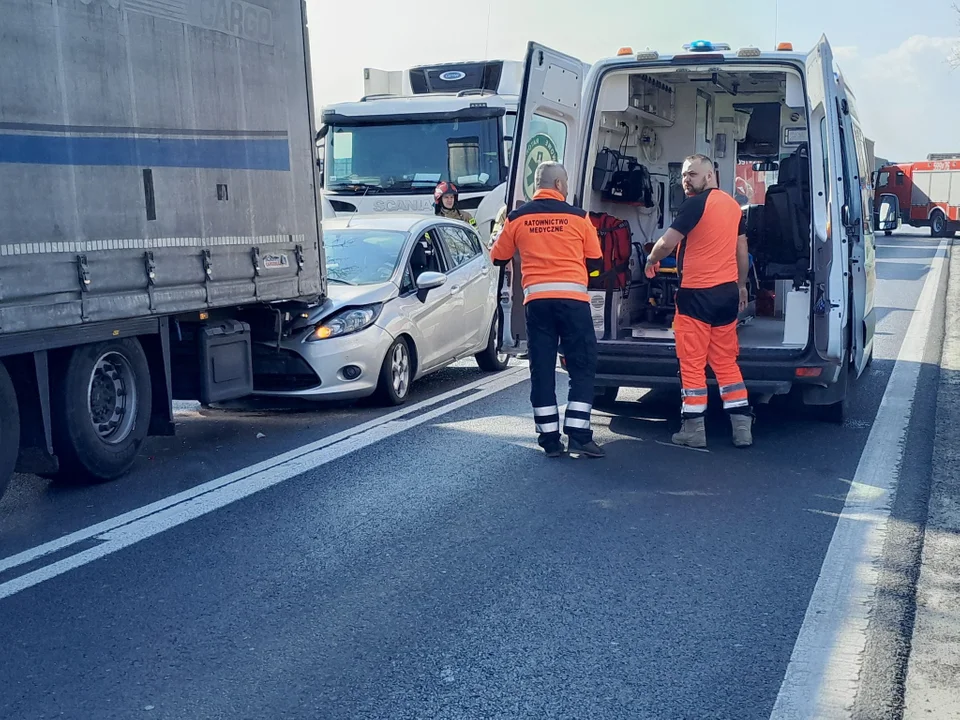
x,y
933,670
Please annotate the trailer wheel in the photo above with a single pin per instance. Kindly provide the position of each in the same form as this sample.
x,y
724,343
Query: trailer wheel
x,y
102,410
9,428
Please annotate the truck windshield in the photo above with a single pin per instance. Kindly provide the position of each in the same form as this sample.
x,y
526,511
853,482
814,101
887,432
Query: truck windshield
x,y
412,157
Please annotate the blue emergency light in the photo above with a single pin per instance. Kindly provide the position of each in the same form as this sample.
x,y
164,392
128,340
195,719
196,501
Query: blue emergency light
x,y
705,46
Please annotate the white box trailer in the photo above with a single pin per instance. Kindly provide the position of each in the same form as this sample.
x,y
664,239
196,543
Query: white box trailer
x,y
159,180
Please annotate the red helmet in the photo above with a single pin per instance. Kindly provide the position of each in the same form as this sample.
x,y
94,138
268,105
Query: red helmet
x,y
445,188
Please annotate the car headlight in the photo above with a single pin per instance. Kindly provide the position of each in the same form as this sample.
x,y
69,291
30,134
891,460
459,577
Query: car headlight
x,y
345,322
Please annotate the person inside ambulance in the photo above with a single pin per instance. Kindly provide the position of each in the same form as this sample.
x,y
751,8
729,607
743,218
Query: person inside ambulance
x,y
559,249
446,199
712,262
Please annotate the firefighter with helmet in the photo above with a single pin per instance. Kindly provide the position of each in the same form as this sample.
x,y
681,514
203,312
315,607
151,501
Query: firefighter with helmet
x,y
446,199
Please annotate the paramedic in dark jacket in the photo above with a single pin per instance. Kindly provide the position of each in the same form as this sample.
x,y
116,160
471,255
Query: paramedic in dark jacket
x,y
712,262
558,248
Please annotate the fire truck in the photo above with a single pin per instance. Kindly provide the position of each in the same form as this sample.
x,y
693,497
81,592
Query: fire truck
x,y
919,194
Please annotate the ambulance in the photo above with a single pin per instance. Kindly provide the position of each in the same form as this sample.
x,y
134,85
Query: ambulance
x,y
784,134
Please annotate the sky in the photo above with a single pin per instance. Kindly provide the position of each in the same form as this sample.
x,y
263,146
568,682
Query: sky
x,y
894,54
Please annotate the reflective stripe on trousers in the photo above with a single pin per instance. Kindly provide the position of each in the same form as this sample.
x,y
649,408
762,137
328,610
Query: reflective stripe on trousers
x,y
734,396
547,419
694,400
577,416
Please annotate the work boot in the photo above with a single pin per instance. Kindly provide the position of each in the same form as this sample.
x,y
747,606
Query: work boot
x,y
693,433
590,449
553,449
742,430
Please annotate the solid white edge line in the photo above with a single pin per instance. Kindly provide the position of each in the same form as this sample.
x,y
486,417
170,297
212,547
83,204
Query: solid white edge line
x,y
822,677
131,516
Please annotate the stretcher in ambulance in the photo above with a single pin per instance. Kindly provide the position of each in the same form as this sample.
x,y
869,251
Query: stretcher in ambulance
x,y
783,132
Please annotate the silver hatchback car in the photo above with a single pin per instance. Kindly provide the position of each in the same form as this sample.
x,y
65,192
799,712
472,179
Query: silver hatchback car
x,y
407,296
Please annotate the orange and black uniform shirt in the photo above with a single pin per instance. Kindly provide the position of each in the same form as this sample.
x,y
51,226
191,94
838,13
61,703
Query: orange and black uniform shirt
x,y
558,247
710,222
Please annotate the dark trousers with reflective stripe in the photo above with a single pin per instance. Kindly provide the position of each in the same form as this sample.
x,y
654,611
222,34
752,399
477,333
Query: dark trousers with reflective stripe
x,y
551,323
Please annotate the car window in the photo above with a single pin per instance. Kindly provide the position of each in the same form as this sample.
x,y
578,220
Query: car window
x,y
426,256
460,248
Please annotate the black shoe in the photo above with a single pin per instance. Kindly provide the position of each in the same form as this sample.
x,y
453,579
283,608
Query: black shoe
x,y
554,450
590,449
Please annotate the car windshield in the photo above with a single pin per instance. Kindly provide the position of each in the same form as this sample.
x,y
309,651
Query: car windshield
x,y
362,257
412,157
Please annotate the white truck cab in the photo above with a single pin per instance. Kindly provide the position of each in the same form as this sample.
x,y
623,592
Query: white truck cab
x,y
783,131
418,126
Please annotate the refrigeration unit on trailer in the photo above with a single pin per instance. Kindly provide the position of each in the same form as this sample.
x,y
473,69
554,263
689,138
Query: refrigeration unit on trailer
x,y
418,126
783,131
159,210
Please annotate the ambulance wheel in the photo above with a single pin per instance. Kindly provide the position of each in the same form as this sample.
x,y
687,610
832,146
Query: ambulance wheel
x,y
833,413
605,397
938,224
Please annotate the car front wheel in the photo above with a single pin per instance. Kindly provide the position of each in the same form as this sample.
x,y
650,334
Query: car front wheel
x,y
396,374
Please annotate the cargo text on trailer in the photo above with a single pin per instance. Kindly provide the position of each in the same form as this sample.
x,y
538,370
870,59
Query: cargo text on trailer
x,y
159,200
783,131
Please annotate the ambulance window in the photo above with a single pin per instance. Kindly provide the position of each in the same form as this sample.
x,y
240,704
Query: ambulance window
x,y
883,179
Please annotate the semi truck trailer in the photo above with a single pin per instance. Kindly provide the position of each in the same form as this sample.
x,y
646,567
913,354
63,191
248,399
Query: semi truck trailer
x,y
158,211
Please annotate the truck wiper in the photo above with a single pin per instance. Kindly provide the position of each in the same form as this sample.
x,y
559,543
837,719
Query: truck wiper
x,y
358,187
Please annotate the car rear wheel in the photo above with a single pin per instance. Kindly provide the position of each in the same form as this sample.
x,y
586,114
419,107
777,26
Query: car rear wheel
x,y
490,360
396,374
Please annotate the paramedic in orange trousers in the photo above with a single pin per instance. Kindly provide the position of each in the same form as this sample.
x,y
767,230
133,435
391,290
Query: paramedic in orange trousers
x,y
558,248
712,262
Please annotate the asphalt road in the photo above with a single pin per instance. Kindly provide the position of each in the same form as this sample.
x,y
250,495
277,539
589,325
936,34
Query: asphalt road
x,y
446,569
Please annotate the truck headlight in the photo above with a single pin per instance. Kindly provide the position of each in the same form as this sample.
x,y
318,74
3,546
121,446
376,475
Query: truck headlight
x,y
345,322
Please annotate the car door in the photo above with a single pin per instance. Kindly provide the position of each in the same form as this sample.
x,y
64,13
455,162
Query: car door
x,y
832,291
473,272
547,128
430,312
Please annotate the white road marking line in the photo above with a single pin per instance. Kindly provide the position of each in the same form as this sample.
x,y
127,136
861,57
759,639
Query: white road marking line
x,y
142,523
823,675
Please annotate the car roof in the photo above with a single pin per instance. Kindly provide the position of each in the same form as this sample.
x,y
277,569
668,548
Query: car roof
x,y
399,222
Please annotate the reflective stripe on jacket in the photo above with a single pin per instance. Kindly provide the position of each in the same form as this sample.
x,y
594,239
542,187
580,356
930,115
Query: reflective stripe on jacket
x,y
555,240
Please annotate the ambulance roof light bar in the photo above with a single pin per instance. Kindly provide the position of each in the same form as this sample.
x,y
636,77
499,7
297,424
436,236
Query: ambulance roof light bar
x,y
749,52
706,46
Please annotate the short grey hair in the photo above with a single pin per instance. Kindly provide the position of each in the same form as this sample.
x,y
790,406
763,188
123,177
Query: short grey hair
x,y
547,174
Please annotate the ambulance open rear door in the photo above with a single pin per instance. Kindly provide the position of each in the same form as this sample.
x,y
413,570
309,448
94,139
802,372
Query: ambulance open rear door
x,y
548,128
832,311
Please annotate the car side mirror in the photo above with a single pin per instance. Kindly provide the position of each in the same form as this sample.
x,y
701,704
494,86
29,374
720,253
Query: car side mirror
x,y
428,281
